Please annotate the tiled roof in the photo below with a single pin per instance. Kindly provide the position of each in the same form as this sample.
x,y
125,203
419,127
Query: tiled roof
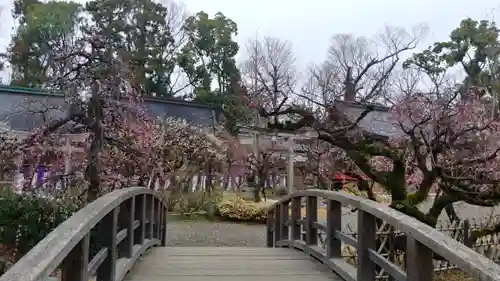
x,y
378,121
12,112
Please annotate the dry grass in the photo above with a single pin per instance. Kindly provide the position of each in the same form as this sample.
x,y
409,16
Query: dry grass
x,y
452,275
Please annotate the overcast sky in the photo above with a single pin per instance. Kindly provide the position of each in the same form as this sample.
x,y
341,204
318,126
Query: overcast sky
x,y
310,24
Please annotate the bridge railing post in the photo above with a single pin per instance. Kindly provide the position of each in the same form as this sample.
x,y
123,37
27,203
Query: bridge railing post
x,y
285,215
163,226
333,225
311,218
367,239
419,261
277,225
75,265
269,229
295,217
151,217
107,232
158,208
126,220
140,215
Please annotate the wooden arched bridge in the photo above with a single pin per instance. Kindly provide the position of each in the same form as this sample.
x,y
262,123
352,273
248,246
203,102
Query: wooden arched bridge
x,y
121,236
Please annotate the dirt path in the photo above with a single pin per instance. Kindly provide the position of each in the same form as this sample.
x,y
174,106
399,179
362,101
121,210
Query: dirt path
x,y
205,233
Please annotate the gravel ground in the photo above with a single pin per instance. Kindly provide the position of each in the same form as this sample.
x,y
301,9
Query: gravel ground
x,y
201,233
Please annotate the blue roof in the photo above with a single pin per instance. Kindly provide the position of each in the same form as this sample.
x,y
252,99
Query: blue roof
x,y
14,110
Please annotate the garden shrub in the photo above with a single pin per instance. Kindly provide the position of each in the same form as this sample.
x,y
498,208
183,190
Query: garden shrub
x,y
25,220
211,203
171,199
235,208
198,201
188,203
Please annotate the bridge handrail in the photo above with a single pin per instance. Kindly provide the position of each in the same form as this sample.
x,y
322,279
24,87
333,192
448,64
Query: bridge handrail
x,y
129,221
422,241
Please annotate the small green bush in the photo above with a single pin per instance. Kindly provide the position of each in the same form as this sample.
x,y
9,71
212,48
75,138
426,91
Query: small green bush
x,y
171,199
188,203
234,208
25,220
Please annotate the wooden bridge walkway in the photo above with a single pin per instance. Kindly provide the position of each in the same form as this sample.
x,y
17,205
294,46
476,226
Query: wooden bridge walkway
x,y
228,264
120,237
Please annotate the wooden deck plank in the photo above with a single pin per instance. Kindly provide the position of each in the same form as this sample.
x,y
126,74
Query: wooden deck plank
x,y
230,251
228,263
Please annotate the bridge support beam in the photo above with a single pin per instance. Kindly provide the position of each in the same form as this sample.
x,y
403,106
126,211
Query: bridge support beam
x,y
108,230
311,218
367,239
140,214
333,225
285,215
75,265
418,260
295,217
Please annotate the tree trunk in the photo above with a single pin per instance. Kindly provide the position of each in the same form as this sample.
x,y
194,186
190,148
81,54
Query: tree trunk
x,y
93,170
